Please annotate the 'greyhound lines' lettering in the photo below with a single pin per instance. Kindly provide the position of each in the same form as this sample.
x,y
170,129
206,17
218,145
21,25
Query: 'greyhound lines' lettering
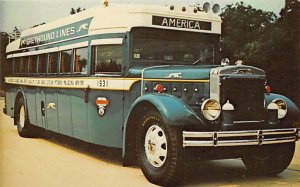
x,y
76,29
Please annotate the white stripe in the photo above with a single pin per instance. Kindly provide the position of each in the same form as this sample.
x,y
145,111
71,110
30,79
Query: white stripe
x,y
93,83
50,50
54,49
109,41
73,46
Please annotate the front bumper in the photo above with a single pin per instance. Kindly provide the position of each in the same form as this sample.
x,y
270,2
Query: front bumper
x,y
240,138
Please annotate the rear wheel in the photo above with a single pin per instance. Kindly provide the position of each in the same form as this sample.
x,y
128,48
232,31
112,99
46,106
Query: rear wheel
x,y
159,150
25,129
270,159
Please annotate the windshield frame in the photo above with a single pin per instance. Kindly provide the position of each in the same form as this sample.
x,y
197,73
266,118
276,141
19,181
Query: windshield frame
x,y
155,33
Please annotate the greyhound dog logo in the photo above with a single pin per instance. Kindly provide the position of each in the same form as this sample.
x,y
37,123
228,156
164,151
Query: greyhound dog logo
x,y
51,106
84,26
174,75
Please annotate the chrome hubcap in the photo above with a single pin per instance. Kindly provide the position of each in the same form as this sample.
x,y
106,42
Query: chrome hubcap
x,y
156,146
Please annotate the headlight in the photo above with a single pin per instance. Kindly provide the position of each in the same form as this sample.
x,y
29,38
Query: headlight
x,y
211,109
282,107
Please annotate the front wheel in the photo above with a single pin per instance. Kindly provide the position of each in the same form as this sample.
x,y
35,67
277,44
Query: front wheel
x,y
159,150
270,159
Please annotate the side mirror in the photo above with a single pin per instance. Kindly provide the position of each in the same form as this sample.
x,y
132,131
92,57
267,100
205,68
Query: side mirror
x,y
225,62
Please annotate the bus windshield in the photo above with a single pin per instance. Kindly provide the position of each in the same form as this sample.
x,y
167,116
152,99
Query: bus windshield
x,y
156,46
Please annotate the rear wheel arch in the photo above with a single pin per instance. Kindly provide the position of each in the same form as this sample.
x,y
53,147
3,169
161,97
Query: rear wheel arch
x,y
21,118
19,95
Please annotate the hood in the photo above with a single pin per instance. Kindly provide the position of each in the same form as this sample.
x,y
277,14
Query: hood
x,y
172,72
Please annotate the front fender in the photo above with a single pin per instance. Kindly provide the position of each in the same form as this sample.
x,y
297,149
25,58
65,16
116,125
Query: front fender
x,y
293,112
173,111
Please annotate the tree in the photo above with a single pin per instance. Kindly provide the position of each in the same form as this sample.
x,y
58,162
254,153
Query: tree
x,y
79,9
38,25
72,11
242,25
15,34
286,38
16,30
263,40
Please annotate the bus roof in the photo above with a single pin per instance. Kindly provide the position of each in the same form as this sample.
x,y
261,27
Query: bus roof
x,y
117,18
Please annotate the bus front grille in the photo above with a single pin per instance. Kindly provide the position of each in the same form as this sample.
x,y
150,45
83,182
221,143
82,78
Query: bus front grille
x,y
246,95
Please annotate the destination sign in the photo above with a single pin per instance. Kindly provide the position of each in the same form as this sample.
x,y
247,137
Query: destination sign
x,y
181,23
69,31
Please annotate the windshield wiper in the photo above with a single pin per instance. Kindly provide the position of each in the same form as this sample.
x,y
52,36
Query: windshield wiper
x,y
197,61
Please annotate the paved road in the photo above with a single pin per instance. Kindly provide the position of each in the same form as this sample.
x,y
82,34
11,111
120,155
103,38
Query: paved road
x,y
56,161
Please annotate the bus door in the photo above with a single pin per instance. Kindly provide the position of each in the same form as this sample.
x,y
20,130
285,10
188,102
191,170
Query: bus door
x,y
40,92
106,117
51,100
51,107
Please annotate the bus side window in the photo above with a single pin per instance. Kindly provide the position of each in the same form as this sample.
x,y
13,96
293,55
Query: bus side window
x,y
42,64
17,67
24,65
52,63
65,62
9,67
80,62
108,59
33,64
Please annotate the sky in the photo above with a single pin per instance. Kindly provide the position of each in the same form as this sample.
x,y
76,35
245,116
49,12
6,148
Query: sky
x,y
26,13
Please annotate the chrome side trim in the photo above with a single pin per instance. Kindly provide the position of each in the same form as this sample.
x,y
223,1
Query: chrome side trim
x,y
241,122
50,50
214,85
240,138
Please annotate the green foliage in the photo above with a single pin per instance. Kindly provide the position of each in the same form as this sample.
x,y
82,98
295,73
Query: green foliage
x,y
72,11
261,39
242,25
79,9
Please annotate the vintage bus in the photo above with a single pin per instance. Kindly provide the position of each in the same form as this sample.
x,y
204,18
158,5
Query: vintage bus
x,y
148,79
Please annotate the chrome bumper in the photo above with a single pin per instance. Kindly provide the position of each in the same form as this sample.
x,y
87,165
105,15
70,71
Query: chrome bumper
x,y
240,138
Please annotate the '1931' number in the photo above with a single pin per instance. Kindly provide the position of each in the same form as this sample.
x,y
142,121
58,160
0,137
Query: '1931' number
x,y
103,83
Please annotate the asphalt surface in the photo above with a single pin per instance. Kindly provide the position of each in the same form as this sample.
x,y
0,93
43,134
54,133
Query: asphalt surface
x,y
55,160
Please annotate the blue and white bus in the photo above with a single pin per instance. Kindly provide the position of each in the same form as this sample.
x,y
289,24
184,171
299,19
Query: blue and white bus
x,y
148,79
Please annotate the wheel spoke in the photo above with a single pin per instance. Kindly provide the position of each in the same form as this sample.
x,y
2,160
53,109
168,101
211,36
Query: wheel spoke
x,y
161,152
157,160
161,139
